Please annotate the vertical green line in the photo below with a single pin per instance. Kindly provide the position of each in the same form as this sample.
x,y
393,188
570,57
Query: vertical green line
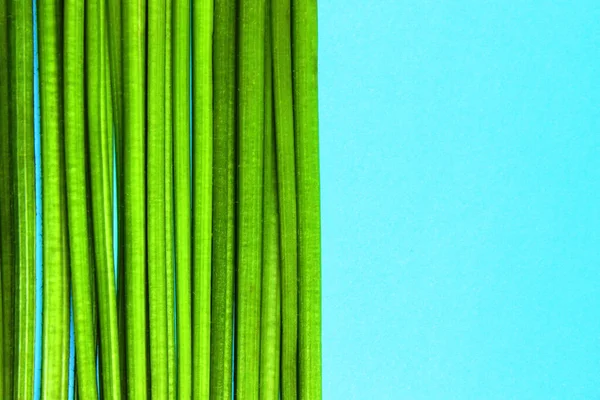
x,y
202,25
7,217
1,337
182,181
134,81
22,126
75,160
306,118
100,130
115,46
286,170
270,318
55,328
157,292
169,244
224,164
251,64
113,8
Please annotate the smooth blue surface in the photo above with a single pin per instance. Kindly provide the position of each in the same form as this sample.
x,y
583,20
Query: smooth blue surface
x,y
460,145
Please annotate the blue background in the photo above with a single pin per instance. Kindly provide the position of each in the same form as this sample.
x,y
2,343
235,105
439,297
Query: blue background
x,y
460,150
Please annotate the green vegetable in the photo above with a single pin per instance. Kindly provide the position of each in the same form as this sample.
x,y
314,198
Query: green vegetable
x,y
21,117
286,172
75,157
21,131
55,324
250,197
7,217
223,213
306,119
134,163
202,30
157,292
1,347
169,216
183,202
101,174
270,316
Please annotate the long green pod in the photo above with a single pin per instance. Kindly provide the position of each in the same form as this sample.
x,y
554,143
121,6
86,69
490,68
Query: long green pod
x,y
286,173
75,160
157,293
306,120
270,315
224,167
202,116
21,71
251,65
55,324
134,163
183,202
7,217
169,216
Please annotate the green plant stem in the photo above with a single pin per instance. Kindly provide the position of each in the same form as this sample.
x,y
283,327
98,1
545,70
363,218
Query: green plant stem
x,y
55,326
115,45
202,25
134,30
157,292
101,153
250,200
306,118
116,59
7,217
286,170
21,52
270,318
85,344
183,205
224,164
1,342
169,216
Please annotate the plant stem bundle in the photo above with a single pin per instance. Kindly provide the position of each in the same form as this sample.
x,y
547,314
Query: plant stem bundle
x,y
192,126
